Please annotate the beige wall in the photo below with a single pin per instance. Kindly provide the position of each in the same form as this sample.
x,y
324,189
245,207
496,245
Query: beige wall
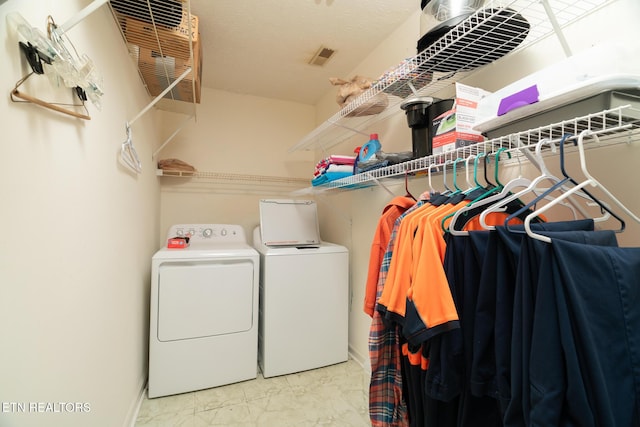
x,y
78,233
235,134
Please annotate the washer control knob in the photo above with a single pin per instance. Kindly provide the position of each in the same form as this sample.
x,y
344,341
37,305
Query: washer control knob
x,y
223,232
192,232
207,232
179,232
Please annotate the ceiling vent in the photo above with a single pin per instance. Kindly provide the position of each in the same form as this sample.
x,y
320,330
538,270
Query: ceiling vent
x,y
322,56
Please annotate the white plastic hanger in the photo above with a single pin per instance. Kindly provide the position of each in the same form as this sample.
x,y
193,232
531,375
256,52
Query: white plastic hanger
x,y
472,185
589,181
531,187
444,177
128,153
431,166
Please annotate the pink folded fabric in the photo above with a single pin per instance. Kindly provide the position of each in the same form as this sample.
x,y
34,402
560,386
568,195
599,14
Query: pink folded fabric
x,y
342,160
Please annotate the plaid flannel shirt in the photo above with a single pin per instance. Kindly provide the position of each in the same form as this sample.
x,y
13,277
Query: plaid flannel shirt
x,y
387,407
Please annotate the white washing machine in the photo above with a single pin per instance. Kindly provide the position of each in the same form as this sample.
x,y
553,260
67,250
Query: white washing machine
x,y
304,291
204,311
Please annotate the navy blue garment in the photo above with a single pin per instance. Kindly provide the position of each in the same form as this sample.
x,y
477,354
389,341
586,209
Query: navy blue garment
x,y
585,358
473,411
446,355
527,273
508,255
438,413
490,374
508,252
483,367
413,387
424,411
546,365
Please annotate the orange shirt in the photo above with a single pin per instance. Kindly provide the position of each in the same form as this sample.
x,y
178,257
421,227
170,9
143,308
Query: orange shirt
x,y
406,253
416,274
430,293
381,238
401,255
429,288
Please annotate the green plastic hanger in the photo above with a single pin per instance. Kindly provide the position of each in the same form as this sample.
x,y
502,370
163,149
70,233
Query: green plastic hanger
x,y
499,186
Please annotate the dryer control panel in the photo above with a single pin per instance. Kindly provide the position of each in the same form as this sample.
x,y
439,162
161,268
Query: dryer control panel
x,y
218,233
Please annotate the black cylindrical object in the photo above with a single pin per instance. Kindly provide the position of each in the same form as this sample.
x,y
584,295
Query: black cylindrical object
x,y
420,114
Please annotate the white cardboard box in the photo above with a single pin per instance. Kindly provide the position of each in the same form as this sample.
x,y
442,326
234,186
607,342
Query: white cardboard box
x,y
454,128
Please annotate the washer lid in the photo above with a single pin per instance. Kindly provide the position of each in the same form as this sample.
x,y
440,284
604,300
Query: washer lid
x,y
286,222
324,248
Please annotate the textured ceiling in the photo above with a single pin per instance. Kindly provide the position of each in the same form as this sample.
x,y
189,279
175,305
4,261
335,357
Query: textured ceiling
x,y
262,47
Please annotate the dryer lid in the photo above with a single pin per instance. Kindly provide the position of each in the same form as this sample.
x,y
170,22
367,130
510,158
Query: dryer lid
x,y
285,222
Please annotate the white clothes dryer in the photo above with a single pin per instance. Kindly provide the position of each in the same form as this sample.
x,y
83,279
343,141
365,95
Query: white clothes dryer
x,y
203,328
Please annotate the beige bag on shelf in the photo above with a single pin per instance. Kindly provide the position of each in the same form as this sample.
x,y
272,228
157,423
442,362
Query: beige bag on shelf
x,y
349,90
177,166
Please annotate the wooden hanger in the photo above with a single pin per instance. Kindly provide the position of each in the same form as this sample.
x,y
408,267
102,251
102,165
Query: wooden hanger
x,y
52,106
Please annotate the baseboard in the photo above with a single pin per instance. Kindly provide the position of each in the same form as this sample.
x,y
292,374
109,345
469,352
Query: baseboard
x,y
134,409
363,360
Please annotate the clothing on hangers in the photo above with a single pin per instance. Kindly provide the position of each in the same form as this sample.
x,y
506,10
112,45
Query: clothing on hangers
x,y
458,317
386,405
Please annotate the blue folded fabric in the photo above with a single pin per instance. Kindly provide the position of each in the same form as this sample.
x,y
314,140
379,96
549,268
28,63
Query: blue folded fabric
x,y
332,176
329,176
319,180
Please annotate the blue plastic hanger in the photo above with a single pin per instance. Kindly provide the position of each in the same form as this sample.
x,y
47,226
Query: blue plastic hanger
x,y
580,187
558,185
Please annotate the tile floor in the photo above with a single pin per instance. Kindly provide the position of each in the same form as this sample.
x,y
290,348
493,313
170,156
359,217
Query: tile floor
x,y
336,395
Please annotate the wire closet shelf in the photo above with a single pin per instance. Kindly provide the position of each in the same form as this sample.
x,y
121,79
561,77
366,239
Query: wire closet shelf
x,y
161,38
612,126
501,27
234,177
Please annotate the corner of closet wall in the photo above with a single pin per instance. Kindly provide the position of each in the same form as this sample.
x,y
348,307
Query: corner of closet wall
x,y
350,218
394,134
